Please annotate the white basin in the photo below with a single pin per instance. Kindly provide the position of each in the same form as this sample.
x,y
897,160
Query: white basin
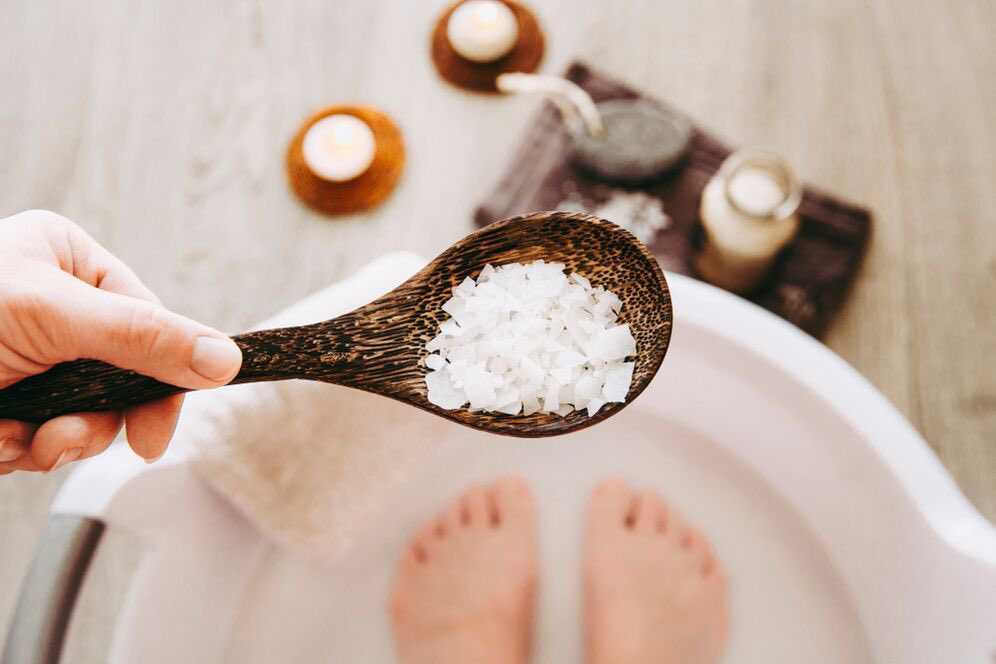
x,y
844,538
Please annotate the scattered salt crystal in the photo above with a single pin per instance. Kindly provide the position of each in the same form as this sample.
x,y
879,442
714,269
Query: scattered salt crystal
x,y
530,338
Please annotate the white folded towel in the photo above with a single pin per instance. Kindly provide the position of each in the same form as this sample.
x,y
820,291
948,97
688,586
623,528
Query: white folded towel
x,y
307,463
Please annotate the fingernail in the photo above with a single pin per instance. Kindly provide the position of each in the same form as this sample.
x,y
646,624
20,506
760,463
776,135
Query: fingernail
x,y
155,458
72,454
215,359
10,450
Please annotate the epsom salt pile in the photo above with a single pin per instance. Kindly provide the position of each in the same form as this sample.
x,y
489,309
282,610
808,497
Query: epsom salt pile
x,y
529,338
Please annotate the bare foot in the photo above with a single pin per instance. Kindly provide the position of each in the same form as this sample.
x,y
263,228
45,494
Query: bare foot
x,y
653,591
467,584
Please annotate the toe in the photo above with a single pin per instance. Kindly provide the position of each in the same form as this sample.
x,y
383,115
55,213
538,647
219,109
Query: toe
x,y
440,527
425,540
675,527
512,500
663,518
417,552
686,537
697,546
702,548
716,573
612,501
411,557
474,508
699,543
398,606
452,516
648,507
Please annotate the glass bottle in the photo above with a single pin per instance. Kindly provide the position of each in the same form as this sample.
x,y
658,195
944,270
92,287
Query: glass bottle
x,y
749,211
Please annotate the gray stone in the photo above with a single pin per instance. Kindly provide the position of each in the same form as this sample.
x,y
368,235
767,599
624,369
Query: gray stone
x,y
642,140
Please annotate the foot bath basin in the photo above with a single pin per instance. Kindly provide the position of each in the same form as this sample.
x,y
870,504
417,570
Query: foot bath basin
x,y
844,538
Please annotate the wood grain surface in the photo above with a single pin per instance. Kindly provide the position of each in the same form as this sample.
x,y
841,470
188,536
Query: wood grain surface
x,y
161,126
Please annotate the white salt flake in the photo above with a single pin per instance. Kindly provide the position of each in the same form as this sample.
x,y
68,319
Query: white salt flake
x,y
530,406
530,338
511,409
562,376
478,386
451,329
586,389
569,359
551,398
434,362
617,382
613,343
442,392
594,405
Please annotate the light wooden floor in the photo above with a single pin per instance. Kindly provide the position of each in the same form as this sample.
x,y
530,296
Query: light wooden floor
x,y
160,126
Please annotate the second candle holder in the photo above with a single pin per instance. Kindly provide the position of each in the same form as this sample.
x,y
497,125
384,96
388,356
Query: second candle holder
x,y
482,20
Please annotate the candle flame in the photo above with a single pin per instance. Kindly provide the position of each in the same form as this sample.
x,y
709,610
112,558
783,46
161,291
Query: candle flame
x,y
486,14
343,136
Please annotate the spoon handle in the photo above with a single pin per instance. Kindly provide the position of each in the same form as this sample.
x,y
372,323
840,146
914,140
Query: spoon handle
x,y
310,351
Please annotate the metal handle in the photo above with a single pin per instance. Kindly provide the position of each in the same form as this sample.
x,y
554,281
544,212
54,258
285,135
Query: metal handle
x,y
50,589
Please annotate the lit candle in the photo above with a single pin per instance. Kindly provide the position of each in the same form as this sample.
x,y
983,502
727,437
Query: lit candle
x,y
339,147
482,30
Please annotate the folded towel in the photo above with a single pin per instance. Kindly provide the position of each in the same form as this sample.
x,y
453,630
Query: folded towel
x,y
307,463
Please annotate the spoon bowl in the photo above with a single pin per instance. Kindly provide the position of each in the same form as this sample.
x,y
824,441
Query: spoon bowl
x,y
378,347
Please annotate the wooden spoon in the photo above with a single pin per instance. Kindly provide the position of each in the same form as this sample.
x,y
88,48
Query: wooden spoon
x,y
378,347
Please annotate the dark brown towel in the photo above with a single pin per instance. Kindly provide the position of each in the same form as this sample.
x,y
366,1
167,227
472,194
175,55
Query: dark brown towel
x,y
809,280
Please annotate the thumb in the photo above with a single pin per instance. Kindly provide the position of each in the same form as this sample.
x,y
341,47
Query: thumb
x,y
135,334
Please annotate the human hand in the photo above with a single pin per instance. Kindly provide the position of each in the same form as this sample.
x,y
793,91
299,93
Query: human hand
x,y
64,297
